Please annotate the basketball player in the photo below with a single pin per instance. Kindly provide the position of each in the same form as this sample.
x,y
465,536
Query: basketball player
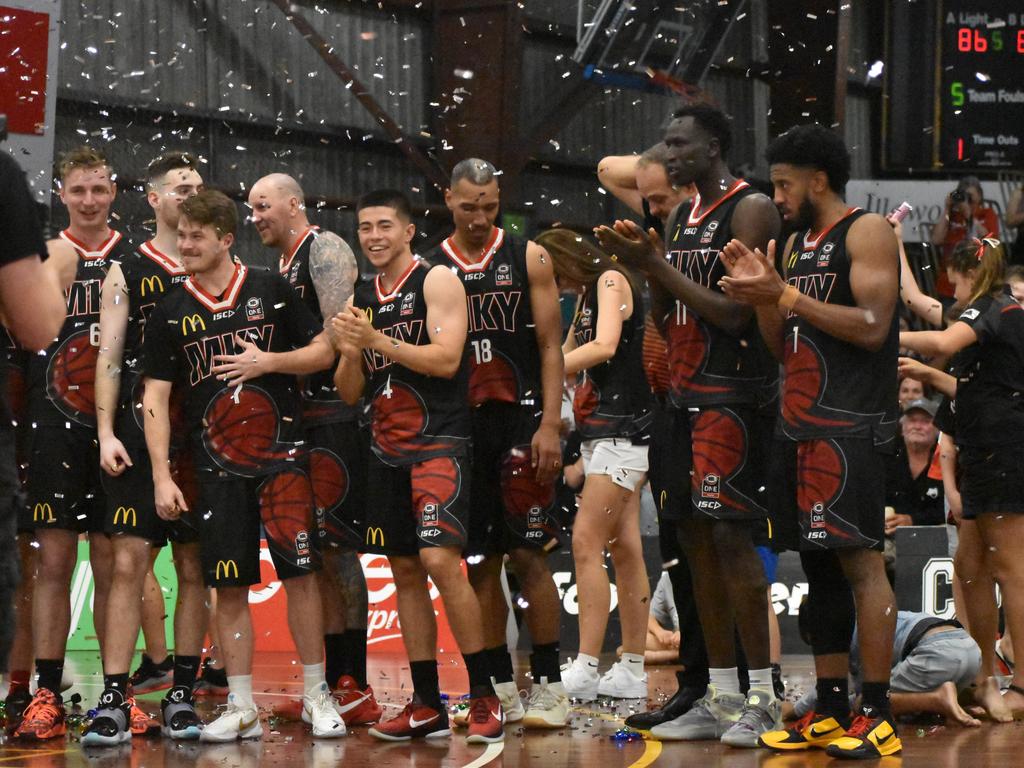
x,y
243,422
63,493
322,268
403,341
515,390
132,289
719,375
642,184
832,322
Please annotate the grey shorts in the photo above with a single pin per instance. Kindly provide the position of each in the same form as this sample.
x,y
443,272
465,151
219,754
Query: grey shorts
x,y
938,658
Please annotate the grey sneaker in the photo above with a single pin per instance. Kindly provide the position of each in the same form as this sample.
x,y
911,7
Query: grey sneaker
x,y
762,712
709,718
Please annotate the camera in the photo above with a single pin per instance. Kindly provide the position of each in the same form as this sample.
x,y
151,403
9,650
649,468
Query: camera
x,y
958,195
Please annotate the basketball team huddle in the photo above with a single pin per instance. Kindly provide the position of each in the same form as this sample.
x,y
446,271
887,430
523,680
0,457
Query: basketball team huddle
x,y
194,399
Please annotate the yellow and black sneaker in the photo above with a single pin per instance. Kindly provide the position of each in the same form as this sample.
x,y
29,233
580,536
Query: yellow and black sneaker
x,y
869,737
812,731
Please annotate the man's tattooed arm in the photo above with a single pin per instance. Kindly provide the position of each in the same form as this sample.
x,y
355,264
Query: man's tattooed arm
x,y
332,265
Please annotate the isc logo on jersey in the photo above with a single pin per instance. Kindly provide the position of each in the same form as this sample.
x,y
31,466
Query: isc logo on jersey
x,y
224,315
254,308
504,275
710,486
826,254
408,303
709,233
817,516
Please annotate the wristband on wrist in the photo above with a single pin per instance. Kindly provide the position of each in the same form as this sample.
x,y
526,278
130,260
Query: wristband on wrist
x,y
788,298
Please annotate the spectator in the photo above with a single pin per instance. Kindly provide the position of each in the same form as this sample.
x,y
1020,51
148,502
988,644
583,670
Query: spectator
x,y
1015,281
662,625
910,389
912,497
1014,220
642,184
965,217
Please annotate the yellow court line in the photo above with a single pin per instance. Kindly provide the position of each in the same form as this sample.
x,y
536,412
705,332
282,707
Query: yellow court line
x,y
28,754
652,750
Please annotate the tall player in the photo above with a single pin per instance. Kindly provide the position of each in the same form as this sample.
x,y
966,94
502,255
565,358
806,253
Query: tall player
x,y
243,422
832,321
133,287
719,372
63,492
403,342
322,268
515,390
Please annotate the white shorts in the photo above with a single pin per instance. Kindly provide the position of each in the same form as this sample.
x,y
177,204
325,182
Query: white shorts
x,y
623,462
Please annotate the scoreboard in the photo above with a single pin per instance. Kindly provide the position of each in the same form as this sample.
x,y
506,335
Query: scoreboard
x,y
981,84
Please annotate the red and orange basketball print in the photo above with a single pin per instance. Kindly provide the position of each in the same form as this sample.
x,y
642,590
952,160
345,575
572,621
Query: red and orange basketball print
x,y
803,387
242,431
687,357
329,477
71,378
398,423
493,381
719,452
286,508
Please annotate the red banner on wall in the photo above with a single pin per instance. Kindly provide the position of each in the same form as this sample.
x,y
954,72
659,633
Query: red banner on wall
x,y
24,40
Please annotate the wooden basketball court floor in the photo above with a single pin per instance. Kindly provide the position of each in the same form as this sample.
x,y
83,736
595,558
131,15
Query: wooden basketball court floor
x,y
588,740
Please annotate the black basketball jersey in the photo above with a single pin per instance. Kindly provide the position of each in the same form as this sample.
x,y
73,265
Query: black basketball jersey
x,y
989,404
320,401
707,365
613,398
414,417
249,430
832,388
149,275
62,380
504,356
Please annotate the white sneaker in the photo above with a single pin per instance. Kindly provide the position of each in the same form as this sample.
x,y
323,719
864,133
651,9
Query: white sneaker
x,y
511,702
237,722
548,706
620,683
320,711
580,680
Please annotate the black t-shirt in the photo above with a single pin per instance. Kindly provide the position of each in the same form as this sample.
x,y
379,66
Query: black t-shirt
x,y
21,234
251,430
989,406
920,497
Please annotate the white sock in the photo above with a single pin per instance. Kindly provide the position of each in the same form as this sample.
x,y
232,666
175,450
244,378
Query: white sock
x,y
313,676
761,679
241,688
589,663
634,663
724,680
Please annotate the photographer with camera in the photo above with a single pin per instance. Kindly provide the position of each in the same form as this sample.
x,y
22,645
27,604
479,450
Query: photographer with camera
x,y
965,216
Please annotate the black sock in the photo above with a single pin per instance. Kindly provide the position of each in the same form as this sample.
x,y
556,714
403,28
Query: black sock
x,y
355,655
478,666
833,698
544,662
424,683
185,670
500,662
335,658
50,673
693,678
117,683
777,683
875,699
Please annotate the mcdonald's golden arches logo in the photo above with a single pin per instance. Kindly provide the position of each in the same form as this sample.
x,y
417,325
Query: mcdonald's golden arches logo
x,y
43,512
226,569
151,283
191,323
123,514
372,536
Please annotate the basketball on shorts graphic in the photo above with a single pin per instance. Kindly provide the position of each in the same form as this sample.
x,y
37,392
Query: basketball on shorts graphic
x,y
399,418
286,508
821,471
243,436
719,442
519,487
687,354
71,378
435,481
494,380
803,386
329,478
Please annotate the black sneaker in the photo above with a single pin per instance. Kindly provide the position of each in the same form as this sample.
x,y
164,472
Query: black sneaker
x,y
178,713
14,706
211,682
112,724
680,703
151,676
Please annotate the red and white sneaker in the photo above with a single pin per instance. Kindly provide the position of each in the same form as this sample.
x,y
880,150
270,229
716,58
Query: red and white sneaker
x,y
417,721
143,725
486,720
357,707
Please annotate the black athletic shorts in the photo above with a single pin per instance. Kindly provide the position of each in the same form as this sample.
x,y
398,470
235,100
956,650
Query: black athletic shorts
x,y
63,490
991,480
510,508
230,511
130,503
830,494
337,469
416,506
